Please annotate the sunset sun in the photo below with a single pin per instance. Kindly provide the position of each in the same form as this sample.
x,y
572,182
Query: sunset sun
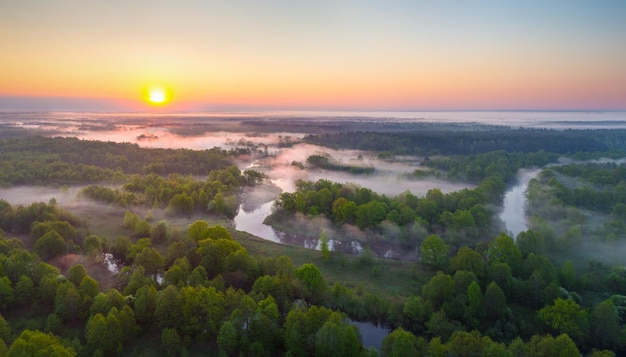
x,y
157,96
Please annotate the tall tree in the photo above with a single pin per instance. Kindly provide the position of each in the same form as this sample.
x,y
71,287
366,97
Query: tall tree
x,y
50,245
399,343
565,316
37,343
434,252
494,301
313,283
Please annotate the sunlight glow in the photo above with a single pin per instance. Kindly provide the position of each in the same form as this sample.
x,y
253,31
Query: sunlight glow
x,y
157,95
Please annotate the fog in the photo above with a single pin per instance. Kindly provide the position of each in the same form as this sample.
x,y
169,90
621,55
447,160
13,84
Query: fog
x,y
272,153
25,195
387,179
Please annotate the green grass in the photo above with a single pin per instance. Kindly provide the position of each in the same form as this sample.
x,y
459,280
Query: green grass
x,y
391,278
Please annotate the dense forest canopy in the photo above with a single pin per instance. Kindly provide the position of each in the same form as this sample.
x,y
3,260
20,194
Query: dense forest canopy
x,y
198,289
431,140
41,160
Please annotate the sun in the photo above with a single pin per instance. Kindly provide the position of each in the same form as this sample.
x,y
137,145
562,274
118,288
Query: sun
x,y
157,95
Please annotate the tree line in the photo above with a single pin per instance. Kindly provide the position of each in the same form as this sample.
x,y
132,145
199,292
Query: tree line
x,y
434,140
44,161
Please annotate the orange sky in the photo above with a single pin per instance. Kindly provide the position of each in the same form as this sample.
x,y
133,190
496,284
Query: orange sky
x,y
281,54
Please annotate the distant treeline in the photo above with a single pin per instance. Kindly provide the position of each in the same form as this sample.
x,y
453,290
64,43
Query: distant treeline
x,y
40,160
435,141
329,163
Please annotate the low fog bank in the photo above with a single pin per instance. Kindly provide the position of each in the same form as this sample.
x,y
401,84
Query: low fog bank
x,y
388,177
25,195
288,165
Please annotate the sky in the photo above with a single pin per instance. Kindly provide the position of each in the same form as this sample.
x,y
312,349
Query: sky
x,y
313,55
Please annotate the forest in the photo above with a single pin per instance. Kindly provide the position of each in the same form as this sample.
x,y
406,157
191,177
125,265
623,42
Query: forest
x,y
198,287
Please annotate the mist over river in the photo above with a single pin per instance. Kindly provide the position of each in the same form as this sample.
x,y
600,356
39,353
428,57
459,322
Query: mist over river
x,y
200,131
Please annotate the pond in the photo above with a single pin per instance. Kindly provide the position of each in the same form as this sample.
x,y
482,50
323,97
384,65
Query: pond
x,y
371,335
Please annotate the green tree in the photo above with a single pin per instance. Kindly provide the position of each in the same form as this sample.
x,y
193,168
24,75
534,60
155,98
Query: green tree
x,y
439,289
434,252
265,328
137,279
562,346
335,338
399,343
416,312
68,301
5,329
159,232
324,245
130,220
6,293
24,291
145,303
504,250
227,339
604,326
170,339
151,260
468,259
100,335
468,344
218,232
92,245
142,228
54,324
198,276
501,274
565,316
120,247
567,276
89,287
50,245
530,242
475,310
103,303
37,343
76,274
494,301
441,326
197,231
313,283
168,308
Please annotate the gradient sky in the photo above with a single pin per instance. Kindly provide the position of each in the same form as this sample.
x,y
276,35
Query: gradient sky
x,y
352,54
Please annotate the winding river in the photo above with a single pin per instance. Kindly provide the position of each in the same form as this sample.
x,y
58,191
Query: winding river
x,y
514,203
248,220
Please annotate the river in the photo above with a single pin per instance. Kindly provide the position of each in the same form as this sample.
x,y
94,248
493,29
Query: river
x,y
249,220
514,203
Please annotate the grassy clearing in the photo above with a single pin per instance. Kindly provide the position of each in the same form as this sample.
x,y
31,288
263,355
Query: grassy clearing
x,y
390,278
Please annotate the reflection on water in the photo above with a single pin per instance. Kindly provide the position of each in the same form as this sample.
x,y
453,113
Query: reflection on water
x,y
252,222
372,335
514,212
